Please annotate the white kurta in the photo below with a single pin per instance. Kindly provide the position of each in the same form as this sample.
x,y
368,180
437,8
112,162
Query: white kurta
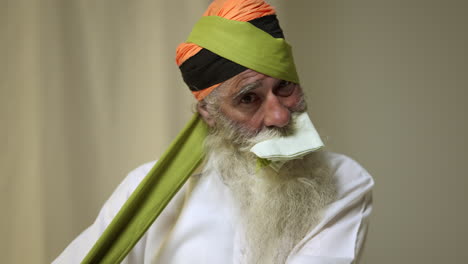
x,y
199,225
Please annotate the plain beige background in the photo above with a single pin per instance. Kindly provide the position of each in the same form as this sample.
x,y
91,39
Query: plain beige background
x,y
89,90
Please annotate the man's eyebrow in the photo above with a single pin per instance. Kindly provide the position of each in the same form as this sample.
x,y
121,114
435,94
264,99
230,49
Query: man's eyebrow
x,y
246,89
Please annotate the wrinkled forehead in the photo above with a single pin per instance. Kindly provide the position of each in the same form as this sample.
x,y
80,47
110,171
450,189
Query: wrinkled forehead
x,y
247,79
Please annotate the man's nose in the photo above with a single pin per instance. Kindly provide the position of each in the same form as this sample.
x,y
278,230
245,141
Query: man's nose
x,y
276,114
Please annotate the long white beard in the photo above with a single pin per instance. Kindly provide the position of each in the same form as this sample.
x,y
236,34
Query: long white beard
x,y
277,209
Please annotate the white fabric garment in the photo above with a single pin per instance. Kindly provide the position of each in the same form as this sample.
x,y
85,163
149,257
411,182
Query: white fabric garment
x,y
199,224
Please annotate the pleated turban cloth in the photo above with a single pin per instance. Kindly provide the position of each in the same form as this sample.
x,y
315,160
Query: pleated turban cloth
x,y
232,36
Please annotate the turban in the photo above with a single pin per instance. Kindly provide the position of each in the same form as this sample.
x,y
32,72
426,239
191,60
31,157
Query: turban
x,y
232,36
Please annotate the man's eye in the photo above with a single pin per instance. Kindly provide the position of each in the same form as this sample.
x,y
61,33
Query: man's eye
x,y
284,83
249,98
285,88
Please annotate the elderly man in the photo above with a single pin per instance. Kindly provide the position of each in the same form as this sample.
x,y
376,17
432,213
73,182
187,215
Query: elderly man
x,y
266,193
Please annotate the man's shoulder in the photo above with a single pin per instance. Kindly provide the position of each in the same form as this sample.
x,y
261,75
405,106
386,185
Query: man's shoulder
x,y
141,171
135,176
128,185
348,173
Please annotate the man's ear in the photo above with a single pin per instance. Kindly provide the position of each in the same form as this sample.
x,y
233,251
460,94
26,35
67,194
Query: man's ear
x,y
207,117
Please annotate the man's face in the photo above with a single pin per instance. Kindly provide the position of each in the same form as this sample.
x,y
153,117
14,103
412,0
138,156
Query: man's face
x,y
254,100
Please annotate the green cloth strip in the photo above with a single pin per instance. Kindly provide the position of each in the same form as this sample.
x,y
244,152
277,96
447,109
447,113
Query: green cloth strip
x,y
247,45
164,180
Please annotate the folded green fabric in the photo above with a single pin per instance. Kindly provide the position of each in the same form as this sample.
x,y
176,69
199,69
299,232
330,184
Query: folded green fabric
x,y
246,45
167,176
